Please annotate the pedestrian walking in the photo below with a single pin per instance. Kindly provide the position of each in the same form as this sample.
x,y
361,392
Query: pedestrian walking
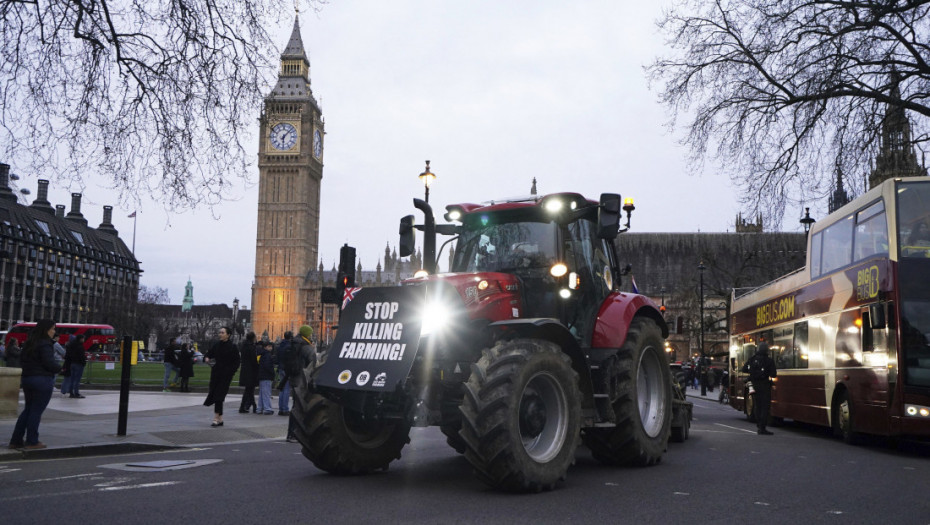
x,y
171,363
185,366
761,368
224,358
76,363
14,354
248,373
265,377
284,394
38,382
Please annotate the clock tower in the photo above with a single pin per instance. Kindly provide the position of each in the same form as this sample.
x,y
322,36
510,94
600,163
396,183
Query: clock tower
x,y
290,169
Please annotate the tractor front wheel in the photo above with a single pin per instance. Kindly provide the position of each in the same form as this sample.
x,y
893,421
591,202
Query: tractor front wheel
x,y
521,415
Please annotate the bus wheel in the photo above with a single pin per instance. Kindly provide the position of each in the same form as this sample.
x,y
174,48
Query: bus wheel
x,y
749,406
843,419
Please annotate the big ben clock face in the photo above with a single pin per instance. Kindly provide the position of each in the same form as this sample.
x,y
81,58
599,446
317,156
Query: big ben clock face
x,y
283,136
317,144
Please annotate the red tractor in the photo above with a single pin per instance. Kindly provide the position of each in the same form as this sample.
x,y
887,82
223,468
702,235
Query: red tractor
x,y
523,350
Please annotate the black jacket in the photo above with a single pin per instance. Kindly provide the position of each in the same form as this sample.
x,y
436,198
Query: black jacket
x,y
761,366
74,352
265,365
40,361
248,374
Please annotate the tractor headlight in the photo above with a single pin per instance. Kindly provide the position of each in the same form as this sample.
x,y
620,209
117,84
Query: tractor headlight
x,y
435,318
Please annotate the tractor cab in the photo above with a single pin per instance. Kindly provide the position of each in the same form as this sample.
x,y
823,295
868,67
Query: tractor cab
x,y
558,247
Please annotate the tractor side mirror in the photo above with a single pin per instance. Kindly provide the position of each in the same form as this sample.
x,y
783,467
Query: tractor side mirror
x,y
608,216
407,240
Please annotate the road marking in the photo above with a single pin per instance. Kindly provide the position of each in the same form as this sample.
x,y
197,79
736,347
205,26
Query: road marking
x,y
88,491
64,477
142,485
4,470
681,493
735,428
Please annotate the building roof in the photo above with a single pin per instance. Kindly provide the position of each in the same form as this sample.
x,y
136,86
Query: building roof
x,y
40,224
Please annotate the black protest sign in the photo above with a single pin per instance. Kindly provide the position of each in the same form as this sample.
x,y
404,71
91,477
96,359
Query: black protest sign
x,y
379,331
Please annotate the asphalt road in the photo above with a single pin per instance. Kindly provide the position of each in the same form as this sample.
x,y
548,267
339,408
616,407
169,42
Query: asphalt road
x,y
725,473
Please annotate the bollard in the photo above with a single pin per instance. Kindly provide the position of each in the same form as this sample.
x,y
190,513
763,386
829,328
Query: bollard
x,y
125,374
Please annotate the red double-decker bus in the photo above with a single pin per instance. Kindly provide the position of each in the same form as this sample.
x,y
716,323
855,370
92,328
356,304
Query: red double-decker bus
x,y
849,332
99,339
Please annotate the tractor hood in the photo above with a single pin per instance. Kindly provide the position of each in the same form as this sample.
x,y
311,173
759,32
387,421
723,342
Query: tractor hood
x,y
485,295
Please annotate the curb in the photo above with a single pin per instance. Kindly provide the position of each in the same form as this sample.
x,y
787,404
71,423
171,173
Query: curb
x,y
105,449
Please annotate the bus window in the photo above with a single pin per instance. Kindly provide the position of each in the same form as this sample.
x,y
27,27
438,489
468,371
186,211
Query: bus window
x,y
915,335
799,349
837,245
816,242
914,219
781,345
871,232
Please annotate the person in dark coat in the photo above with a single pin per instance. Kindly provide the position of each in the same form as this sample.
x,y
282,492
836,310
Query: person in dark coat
x,y
185,366
224,358
76,360
761,368
248,374
38,382
13,354
265,377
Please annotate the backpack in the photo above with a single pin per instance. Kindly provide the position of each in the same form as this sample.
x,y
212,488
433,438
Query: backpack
x,y
289,358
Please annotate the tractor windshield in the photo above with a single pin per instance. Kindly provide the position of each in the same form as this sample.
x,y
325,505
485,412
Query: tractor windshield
x,y
506,247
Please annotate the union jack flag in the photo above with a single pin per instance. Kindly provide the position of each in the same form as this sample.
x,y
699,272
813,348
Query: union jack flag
x,y
349,295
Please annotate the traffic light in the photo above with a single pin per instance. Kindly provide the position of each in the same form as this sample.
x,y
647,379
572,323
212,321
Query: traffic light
x,y
345,278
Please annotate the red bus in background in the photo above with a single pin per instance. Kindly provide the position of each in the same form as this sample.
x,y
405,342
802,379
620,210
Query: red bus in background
x,y
99,339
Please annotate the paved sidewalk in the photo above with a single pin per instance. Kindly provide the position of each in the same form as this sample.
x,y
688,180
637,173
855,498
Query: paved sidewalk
x,y
155,420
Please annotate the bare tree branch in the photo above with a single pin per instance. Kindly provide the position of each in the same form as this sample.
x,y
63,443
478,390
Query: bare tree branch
x,y
158,96
785,92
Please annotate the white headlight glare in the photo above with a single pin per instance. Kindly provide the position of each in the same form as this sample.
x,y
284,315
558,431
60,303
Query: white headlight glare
x,y
558,270
434,318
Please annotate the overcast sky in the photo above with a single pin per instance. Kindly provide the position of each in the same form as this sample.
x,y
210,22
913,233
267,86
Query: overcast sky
x,y
492,93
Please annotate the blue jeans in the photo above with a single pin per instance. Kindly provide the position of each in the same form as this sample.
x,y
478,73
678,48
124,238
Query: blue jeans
x,y
38,392
76,372
284,397
168,368
264,397
66,383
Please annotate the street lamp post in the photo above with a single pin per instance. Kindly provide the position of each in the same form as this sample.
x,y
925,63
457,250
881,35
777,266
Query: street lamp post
x,y
427,177
807,220
701,268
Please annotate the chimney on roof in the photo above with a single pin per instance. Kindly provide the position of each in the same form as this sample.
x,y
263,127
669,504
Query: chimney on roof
x,y
107,225
60,211
5,191
41,203
75,213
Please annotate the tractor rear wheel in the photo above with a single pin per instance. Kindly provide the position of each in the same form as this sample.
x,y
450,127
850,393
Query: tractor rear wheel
x,y
521,415
340,441
644,407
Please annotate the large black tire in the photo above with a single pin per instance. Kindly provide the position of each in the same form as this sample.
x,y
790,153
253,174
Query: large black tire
x,y
339,441
644,407
521,415
844,419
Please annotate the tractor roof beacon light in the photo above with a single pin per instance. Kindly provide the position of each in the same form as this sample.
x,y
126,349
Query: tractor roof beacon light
x,y
628,208
427,177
